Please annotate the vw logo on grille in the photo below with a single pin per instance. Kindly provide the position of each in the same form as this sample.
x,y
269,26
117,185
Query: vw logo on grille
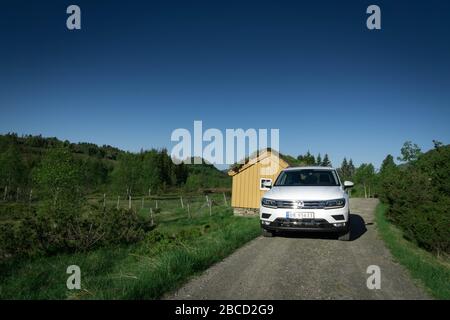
x,y
300,204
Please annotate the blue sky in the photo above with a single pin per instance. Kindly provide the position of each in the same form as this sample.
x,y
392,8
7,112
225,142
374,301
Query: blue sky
x,y
140,69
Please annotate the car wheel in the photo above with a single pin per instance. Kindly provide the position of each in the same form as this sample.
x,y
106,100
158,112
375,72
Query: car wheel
x,y
345,236
267,233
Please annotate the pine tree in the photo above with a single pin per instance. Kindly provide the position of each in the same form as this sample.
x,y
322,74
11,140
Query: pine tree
x,y
308,159
388,163
319,160
351,169
344,169
326,161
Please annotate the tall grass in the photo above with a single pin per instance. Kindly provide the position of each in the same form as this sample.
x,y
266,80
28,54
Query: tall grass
x,y
433,272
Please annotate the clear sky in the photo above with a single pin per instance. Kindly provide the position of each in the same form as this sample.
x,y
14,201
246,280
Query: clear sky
x,y
137,70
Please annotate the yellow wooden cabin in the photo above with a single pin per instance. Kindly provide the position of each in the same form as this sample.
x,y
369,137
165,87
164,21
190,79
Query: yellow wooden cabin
x,y
248,180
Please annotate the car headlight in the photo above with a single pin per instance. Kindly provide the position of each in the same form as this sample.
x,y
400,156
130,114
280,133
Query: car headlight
x,y
269,203
337,203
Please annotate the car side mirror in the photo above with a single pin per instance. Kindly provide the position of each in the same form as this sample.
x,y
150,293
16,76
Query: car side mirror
x,y
348,184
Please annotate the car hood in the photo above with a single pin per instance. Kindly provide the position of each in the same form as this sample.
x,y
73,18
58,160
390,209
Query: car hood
x,y
304,193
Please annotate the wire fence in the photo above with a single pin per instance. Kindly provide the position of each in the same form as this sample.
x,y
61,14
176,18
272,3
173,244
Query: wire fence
x,y
163,207
168,207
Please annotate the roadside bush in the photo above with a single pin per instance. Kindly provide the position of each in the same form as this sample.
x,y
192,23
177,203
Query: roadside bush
x,y
19,238
418,195
50,232
124,226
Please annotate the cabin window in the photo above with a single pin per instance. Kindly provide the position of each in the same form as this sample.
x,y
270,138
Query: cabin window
x,y
263,182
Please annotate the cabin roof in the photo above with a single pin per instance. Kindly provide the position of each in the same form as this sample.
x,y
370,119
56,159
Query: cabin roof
x,y
255,158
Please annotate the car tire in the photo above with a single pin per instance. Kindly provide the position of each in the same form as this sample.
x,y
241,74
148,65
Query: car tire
x,y
345,236
267,233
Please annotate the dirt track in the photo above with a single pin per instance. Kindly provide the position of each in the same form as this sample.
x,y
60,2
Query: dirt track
x,y
307,267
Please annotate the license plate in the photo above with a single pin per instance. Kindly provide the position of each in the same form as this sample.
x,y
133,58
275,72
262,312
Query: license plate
x,y
299,215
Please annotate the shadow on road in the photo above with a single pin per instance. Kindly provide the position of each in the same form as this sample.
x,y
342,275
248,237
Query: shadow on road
x,y
357,226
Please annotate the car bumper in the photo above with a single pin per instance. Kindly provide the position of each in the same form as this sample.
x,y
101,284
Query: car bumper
x,y
325,220
312,225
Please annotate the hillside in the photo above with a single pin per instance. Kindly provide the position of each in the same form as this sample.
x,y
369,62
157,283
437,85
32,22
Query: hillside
x,y
104,167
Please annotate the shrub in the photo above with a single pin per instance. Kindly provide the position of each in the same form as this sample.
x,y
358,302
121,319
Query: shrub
x,y
19,238
418,195
58,180
50,232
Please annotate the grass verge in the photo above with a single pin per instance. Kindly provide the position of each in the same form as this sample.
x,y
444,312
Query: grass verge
x,y
433,272
169,255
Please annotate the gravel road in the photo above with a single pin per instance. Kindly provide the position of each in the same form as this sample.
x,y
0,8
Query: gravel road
x,y
307,267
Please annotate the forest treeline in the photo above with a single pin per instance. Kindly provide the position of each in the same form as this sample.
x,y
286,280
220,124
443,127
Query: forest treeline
x,y
102,168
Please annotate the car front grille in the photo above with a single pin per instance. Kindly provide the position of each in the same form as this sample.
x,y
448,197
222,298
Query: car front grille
x,y
286,204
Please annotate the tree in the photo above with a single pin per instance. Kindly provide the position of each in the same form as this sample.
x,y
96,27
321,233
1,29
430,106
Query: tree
x,y
351,168
194,182
151,171
95,173
345,171
307,159
12,169
410,152
326,161
59,182
437,144
388,176
365,175
181,173
127,175
387,164
319,160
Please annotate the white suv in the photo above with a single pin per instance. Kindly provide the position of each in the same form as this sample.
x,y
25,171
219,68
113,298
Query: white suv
x,y
307,199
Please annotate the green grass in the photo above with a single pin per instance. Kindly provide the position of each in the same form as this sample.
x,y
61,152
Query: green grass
x,y
433,272
177,249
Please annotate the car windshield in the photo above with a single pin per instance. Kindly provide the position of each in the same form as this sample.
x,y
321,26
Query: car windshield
x,y
307,177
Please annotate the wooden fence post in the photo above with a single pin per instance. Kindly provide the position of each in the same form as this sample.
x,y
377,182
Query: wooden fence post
x,y
129,202
104,200
225,199
156,204
181,199
151,215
